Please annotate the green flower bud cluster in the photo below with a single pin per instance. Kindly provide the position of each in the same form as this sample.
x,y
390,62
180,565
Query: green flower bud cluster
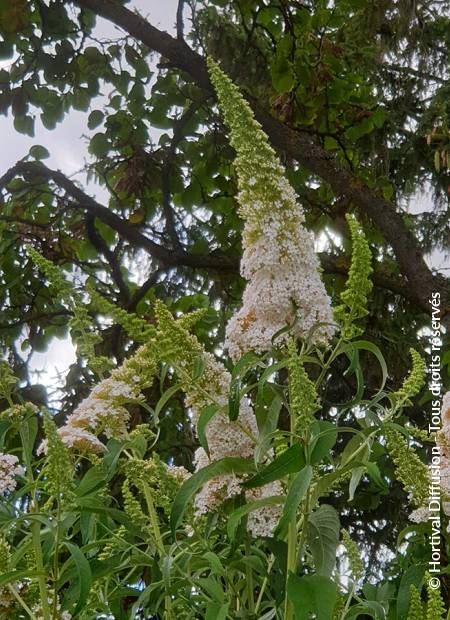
x,y
339,607
8,381
358,286
115,545
7,602
413,383
354,556
144,432
17,414
410,471
181,349
163,481
5,554
255,158
302,393
435,605
421,434
140,369
415,611
81,323
58,471
133,507
280,442
138,329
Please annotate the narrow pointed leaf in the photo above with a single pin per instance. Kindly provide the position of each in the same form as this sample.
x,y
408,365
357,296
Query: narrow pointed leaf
x,y
296,493
290,461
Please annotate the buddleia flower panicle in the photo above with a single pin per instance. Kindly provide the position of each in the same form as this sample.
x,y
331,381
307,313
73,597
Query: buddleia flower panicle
x,y
279,262
5,554
354,556
413,383
355,295
302,393
435,605
410,470
80,324
225,438
415,611
104,410
9,471
58,471
116,544
422,514
138,329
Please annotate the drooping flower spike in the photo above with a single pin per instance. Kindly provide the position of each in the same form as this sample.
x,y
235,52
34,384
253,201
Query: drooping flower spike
x,y
279,262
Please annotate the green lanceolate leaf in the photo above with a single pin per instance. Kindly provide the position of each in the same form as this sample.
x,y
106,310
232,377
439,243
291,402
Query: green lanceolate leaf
x,y
357,474
227,465
297,491
324,437
84,576
323,538
289,462
205,417
234,400
247,361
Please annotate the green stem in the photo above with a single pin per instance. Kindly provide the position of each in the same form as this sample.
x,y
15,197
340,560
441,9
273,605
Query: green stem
x,y
349,600
36,532
301,543
328,363
290,567
153,518
36,537
56,559
158,537
249,575
292,528
20,600
264,584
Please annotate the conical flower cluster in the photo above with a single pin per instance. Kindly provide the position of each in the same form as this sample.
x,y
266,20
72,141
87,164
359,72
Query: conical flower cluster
x,y
104,411
443,441
279,262
9,470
